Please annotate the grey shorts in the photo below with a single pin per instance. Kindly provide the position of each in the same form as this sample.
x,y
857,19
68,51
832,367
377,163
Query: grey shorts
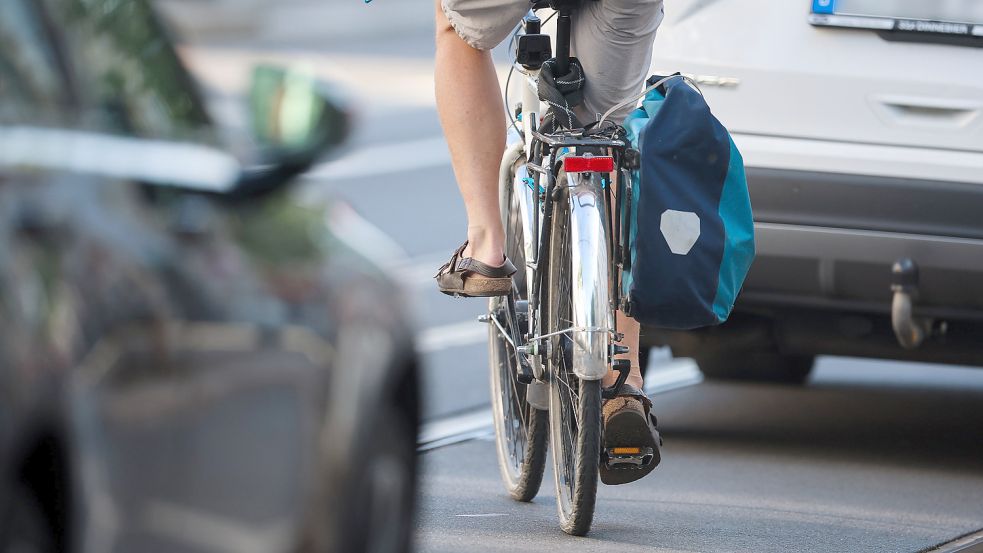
x,y
612,39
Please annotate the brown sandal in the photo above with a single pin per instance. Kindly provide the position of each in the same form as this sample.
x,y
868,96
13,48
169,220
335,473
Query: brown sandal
x,y
631,440
453,277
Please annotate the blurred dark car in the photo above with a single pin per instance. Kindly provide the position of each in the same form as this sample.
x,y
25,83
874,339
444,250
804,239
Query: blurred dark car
x,y
190,360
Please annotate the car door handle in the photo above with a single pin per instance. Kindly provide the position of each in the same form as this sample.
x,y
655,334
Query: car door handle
x,y
936,112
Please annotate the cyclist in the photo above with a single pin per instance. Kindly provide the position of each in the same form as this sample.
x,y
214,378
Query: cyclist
x,y
613,40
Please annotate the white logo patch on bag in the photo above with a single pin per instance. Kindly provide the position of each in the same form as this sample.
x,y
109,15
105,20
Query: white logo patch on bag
x,y
681,230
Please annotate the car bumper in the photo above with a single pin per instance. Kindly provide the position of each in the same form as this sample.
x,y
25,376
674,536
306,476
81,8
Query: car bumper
x,y
829,240
839,268
864,202
821,281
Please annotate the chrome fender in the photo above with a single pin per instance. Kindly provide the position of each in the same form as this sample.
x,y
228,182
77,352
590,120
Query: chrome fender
x,y
593,316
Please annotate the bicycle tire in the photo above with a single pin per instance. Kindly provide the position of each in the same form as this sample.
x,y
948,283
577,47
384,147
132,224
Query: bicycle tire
x,y
575,416
521,431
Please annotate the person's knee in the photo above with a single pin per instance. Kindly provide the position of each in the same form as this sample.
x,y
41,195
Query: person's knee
x,y
447,35
460,24
444,30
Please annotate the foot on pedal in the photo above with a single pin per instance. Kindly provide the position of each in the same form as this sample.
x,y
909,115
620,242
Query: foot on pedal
x,y
631,441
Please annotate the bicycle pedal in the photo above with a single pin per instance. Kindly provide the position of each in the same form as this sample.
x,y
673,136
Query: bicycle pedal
x,y
627,458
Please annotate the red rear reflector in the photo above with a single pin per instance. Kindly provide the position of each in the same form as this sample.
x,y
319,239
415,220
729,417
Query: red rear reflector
x,y
594,164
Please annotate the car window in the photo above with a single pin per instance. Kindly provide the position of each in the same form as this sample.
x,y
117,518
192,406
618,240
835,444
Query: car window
x,y
125,74
96,87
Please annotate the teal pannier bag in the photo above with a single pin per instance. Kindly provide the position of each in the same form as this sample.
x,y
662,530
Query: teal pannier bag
x,y
690,227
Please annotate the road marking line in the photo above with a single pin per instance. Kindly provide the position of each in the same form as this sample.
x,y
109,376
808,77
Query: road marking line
x,y
483,515
450,336
376,160
455,429
672,375
420,276
419,270
213,532
969,543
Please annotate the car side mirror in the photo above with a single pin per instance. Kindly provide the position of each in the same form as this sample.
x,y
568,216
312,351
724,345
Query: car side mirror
x,y
295,120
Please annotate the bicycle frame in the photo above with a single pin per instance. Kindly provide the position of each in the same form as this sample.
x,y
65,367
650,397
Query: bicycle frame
x,y
564,332
589,201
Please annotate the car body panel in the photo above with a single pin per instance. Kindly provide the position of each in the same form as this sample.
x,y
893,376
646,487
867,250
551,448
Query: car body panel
x,y
831,156
824,83
888,204
845,265
862,148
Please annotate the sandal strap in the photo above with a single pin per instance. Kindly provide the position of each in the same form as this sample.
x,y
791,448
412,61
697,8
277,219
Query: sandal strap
x,y
459,264
448,267
470,264
627,390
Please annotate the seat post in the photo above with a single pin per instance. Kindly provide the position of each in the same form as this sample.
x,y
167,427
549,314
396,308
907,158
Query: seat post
x,y
563,31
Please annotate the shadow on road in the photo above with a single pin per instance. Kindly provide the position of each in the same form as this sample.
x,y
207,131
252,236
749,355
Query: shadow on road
x,y
930,428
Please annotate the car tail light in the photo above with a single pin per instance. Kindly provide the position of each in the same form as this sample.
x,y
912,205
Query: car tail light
x,y
588,164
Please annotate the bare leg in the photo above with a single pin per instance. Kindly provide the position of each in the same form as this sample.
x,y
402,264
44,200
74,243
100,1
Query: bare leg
x,y
630,328
472,115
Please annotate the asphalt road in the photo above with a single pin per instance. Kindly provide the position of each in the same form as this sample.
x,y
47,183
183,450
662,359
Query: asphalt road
x,y
868,457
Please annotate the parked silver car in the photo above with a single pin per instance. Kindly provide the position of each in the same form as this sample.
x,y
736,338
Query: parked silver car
x,y
861,123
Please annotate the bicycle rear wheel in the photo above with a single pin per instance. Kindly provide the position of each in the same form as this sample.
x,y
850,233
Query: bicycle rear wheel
x,y
520,429
575,403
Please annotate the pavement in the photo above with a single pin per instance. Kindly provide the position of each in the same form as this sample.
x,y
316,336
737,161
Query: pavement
x,y
869,456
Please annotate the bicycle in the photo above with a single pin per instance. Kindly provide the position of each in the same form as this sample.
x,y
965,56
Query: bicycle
x,y
554,338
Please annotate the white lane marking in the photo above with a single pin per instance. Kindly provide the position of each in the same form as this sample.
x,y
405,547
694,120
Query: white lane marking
x,y
672,375
450,336
455,429
664,377
669,374
418,272
964,544
483,515
385,159
362,236
421,275
213,532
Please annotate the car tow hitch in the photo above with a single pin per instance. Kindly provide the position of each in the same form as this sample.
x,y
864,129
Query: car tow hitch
x,y
909,330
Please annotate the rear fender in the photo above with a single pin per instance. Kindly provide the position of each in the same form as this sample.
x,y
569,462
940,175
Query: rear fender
x,y
593,316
